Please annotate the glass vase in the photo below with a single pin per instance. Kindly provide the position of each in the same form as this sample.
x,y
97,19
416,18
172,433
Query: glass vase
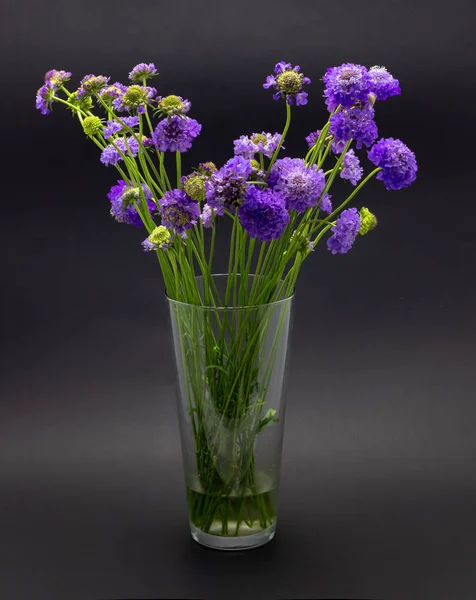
x,y
231,378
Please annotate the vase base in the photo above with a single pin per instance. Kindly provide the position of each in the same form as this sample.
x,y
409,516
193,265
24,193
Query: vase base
x,y
243,542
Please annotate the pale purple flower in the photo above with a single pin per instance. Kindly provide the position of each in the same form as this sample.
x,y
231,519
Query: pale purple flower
x,y
397,161
226,186
351,168
383,84
143,71
135,97
111,156
206,216
176,134
299,185
178,211
57,77
325,204
44,98
346,85
354,123
124,200
92,84
113,127
266,143
345,231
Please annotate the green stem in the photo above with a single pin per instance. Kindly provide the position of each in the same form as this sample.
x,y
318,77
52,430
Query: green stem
x,y
278,148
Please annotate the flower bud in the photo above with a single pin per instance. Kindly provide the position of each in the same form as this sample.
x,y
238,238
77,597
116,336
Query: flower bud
x,y
368,221
92,126
160,237
194,187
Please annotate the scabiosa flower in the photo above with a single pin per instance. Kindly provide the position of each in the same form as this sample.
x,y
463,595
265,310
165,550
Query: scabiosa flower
x,y
92,84
351,169
44,98
300,186
346,85
289,83
92,126
176,134
207,168
113,127
325,204
397,162
263,213
111,156
57,77
124,199
173,105
159,239
345,231
266,143
136,97
112,92
301,243
207,216
383,84
368,221
312,138
178,211
194,186
356,124
143,71
226,187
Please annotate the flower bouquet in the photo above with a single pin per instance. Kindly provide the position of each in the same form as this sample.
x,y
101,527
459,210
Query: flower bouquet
x,y
231,331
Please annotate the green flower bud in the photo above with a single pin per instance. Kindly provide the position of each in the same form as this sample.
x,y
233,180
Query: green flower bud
x,y
259,138
255,164
85,103
289,82
92,126
135,96
206,168
368,221
160,237
194,187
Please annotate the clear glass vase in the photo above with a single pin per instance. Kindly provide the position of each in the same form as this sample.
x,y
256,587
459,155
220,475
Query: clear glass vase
x,y
231,377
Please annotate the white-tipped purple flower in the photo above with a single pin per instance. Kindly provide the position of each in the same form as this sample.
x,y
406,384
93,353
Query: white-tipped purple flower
x,y
207,216
266,143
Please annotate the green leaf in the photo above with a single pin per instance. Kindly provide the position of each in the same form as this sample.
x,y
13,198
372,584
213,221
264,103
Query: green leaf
x,y
267,419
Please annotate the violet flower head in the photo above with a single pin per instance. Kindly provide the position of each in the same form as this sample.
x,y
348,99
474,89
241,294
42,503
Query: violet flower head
x,y
44,98
206,216
113,127
345,231
111,156
266,143
226,186
397,162
263,213
351,168
176,134
135,97
288,83
312,138
299,185
178,211
383,84
159,239
112,92
124,199
57,77
92,84
356,124
346,85
142,71
325,204
173,105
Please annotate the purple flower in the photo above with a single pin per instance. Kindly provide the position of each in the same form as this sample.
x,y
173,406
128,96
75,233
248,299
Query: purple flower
x,y
356,124
142,71
226,187
383,84
266,143
113,127
57,77
263,213
159,239
173,105
207,216
178,211
325,204
44,98
176,134
351,169
289,83
111,156
397,162
312,138
346,85
124,199
92,84
345,231
112,92
300,186
135,97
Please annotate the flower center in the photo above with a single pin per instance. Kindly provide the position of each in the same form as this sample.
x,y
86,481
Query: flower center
x,y
258,138
289,82
134,96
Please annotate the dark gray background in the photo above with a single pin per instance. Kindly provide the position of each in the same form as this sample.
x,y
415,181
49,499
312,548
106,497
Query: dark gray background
x,y
379,484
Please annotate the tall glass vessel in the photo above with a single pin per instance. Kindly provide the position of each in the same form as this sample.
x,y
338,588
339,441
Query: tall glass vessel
x,y
231,377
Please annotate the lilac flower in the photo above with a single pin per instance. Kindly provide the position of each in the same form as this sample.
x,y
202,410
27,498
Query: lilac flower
x,y
346,85
135,97
263,213
112,92
143,71
300,186
397,162
207,216
226,187
159,239
57,77
351,169
110,156
325,204
289,83
336,146
356,124
176,134
312,138
178,211
92,84
383,84
113,127
124,199
44,98
345,231
173,105
266,143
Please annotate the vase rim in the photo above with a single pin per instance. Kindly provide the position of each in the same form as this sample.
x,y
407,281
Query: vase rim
x,y
231,307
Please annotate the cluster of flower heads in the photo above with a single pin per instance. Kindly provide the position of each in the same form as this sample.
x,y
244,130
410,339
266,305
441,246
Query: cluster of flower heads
x,y
263,200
